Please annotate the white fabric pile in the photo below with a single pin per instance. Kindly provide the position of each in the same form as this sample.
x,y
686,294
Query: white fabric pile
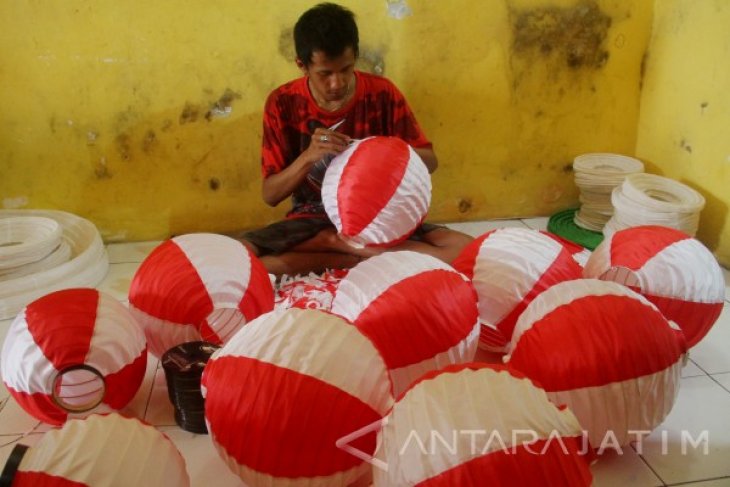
x,y
42,251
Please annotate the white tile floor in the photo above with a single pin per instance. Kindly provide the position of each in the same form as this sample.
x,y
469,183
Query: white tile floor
x,y
703,404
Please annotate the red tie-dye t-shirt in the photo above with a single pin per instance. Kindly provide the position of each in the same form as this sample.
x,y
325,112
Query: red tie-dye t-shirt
x,y
291,116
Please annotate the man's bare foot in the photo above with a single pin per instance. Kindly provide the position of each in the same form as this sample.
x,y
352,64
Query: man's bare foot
x,y
328,240
341,245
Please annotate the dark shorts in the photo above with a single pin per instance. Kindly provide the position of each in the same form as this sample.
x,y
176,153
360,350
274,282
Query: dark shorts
x,y
283,235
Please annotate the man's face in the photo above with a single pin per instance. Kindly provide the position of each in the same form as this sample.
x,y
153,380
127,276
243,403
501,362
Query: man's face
x,y
331,79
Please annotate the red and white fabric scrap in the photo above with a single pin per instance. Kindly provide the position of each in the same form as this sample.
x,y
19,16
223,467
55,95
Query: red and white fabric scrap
x,y
313,291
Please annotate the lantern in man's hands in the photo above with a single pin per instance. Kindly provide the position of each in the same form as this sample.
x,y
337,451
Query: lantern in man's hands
x,y
376,192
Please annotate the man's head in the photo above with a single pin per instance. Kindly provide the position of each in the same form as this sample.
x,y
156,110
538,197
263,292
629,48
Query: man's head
x,y
326,41
327,28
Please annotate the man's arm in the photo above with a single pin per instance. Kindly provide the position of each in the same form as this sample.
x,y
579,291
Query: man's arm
x,y
428,156
405,126
279,186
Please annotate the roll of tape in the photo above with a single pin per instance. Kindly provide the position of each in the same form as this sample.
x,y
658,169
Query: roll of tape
x,y
27,239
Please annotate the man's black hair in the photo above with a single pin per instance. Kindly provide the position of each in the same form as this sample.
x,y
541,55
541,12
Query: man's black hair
x,y
326,27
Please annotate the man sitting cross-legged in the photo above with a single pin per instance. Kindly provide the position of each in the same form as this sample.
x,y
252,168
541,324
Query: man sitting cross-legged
x,y
315,117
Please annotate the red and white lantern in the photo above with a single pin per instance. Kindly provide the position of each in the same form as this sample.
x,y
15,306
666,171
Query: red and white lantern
x,y
580,254
285,389
605,352
418,311
198,287
376,192
509,267
72,353
669,268
503,431
102,450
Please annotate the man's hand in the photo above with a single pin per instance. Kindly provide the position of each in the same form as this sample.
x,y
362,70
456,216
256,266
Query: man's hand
x,y
325,142
281,185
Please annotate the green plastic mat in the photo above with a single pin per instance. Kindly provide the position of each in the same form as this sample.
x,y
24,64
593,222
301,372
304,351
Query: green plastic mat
x,y
562,224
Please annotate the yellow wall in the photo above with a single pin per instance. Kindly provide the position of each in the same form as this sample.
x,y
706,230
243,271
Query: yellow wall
x,y
146,116
685,107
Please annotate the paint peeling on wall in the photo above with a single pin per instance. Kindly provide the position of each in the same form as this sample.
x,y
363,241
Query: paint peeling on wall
x,y
398,9
371,61
101,170
575,35
223,106
15,203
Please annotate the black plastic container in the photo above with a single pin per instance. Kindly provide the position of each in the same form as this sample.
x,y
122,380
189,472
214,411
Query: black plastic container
x,y
183,367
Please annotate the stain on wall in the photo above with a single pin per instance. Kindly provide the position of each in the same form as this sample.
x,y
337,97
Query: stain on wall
x,y
149,142
573,82
642,70
574,36
189,113
124,146
464,205
286,44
